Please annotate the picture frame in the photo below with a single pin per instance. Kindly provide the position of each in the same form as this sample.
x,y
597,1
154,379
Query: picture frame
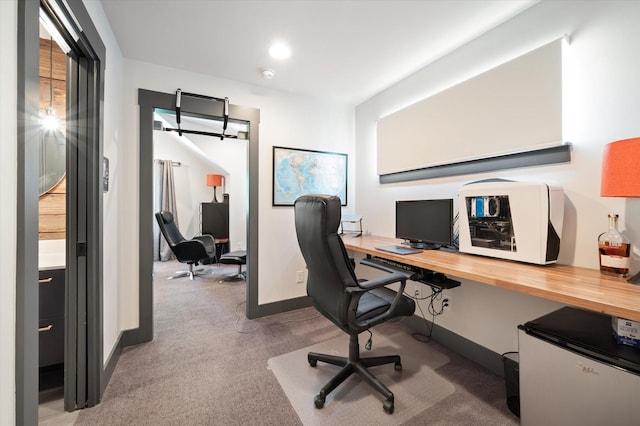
x,y
304,171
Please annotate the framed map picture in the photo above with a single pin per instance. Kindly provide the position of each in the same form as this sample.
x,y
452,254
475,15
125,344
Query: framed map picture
x,y
302,171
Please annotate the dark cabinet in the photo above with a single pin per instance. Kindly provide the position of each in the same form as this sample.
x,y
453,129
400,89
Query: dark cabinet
x,y
51,324
214,220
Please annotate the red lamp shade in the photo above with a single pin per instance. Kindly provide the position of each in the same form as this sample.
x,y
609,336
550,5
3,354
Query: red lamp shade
x,y
214,180
621,169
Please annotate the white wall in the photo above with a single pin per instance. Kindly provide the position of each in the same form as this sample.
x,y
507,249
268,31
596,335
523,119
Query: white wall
x,y
285,120
8,206
189,178
232,156
113,237
601,100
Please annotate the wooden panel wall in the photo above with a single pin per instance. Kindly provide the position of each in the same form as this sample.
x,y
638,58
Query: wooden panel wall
x,y
52,224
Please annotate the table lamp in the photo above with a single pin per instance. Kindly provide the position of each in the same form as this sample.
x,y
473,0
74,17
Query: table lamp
x,y
215,181
621,173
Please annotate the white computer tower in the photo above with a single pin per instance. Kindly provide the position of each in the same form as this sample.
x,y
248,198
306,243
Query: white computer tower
x,y
511,220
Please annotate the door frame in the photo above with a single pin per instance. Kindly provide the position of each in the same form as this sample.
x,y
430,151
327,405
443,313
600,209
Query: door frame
x,y
89,139
26,351
149,101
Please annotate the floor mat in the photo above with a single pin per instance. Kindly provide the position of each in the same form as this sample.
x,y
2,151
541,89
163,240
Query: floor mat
x,y
354,402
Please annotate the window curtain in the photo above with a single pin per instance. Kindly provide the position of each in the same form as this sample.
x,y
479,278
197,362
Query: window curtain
x,y
164,199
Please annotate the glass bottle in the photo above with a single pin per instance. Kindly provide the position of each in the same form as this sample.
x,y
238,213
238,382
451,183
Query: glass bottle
x,y
614,249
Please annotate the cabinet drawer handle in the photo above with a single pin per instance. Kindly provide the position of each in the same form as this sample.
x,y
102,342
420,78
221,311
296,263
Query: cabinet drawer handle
x,y
47,328
45,280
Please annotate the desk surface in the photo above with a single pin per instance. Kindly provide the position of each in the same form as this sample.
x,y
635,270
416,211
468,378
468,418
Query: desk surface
x,y
571,285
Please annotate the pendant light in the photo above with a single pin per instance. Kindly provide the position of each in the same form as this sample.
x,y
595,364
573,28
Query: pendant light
x,y
50,121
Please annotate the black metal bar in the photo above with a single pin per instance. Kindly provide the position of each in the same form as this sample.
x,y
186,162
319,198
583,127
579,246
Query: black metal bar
x,y
211,98
198,132
178,102
225,114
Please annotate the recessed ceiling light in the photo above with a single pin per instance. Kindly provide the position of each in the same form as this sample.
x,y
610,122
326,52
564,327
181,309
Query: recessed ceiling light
x,y
279,51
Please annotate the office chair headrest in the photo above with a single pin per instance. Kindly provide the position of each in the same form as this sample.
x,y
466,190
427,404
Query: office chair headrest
x,y
166,216
330,203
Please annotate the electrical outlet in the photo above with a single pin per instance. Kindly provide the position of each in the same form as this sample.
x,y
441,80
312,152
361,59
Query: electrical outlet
x,y
299,277
446,302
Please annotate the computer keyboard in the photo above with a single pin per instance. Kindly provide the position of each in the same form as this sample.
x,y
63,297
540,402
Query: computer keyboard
x,y
392,263
413,273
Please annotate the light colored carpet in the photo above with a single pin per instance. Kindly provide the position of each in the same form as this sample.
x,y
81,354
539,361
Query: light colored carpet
x,y
207,365
416,388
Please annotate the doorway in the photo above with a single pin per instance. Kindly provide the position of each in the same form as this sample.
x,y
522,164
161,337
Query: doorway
x,y
199,206
149,102
52,235
83,371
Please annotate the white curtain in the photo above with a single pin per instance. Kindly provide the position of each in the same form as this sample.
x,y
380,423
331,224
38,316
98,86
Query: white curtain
x,y
164,199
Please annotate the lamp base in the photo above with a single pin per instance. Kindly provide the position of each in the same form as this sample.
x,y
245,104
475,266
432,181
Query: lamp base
x,y
215,198
635,279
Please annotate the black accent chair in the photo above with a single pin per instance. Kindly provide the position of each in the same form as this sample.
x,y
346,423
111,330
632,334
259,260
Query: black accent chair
x,y
237,257
199,249
351,304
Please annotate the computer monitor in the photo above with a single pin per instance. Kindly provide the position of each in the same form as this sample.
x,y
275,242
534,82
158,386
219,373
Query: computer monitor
x,y
426,224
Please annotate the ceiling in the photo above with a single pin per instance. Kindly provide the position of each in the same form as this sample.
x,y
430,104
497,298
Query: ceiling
x,y
342,51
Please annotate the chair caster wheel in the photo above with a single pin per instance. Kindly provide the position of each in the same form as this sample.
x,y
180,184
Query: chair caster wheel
x,y
313,362
318,400
397,366
388,407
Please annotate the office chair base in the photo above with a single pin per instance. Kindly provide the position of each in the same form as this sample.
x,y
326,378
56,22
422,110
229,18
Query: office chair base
x,y
191,273
359,366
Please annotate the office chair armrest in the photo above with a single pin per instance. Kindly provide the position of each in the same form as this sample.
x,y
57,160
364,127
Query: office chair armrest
x,y
381,282
190,250
205,238
208,240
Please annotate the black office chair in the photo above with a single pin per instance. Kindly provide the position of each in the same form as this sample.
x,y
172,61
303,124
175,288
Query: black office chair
x,y
200,249
353,305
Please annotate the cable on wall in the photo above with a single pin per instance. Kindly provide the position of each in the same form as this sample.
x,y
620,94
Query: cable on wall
x,y
435,296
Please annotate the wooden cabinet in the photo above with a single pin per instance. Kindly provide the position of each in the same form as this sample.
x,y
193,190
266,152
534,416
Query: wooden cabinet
x,y
214,220
51,324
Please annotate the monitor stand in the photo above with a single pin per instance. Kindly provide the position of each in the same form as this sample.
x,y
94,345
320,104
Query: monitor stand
x,y
424,246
